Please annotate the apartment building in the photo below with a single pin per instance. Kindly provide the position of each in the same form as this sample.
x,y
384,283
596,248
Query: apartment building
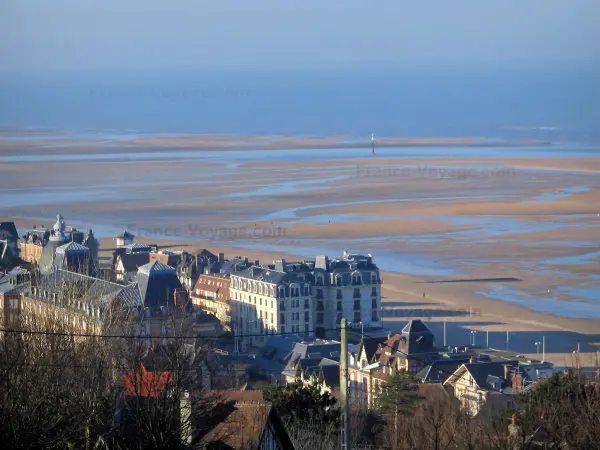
x,y
307,297
211,294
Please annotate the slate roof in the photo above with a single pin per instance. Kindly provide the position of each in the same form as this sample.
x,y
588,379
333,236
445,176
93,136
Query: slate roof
x,y
438,371
125,235
72,247
273,276
10,228
415,326
243,425
132,261
370,346
485,373
93,290
137,247
157,282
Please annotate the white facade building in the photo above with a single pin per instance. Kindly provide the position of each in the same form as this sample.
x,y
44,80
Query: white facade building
x,y
303,297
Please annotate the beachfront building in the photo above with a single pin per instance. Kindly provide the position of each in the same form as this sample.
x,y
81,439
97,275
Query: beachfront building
x,y
84,304
307,297
32,247
211,295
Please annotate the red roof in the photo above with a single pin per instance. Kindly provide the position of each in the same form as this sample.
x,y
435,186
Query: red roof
x,y
141,383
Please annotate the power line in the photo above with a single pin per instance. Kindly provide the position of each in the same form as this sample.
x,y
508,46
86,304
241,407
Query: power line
x,y
162,336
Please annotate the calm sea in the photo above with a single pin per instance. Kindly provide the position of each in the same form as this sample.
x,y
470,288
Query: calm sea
x,y
559,105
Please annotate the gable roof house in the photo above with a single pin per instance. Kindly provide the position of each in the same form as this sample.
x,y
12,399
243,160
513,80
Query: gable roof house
x,y
127,265
246,422
483,385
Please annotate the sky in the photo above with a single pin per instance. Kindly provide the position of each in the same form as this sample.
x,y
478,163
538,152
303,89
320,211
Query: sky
x,y
40,37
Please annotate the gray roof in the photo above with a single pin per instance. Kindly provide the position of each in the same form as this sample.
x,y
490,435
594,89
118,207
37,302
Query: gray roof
x,y
157,282
486,372
93,290
418,338
132,261
137,247
72,247
415,326
438,371
269,275
10,228
125,235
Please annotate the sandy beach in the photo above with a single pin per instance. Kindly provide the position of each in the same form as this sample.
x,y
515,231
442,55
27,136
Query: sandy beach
x,y
426,212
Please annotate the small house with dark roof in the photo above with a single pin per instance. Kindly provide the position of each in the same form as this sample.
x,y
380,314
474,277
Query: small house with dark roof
x,y
124,238
479,385
127,265
247,425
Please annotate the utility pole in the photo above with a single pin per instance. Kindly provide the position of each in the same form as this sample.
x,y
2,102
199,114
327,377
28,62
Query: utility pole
x,y
444,333
345,434
487,338
543,348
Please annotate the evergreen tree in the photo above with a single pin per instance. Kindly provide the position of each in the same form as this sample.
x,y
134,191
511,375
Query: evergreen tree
x,y
298,403
398,395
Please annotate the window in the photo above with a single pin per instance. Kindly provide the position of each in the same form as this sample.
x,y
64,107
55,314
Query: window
x,y
306,316
319,293
260,300
282,318
356,316
356,305
306,303
356,292
338,280
306,328
320,318
374,303
374,278
338,319
374,317
374,291
282,329
339,294
282,305
320,306
339,306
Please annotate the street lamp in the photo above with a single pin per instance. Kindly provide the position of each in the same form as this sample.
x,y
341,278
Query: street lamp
x,y
473,333
537,345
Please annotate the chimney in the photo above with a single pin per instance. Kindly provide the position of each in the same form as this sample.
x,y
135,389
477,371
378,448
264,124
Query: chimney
x,y
507,371
256,262
221,257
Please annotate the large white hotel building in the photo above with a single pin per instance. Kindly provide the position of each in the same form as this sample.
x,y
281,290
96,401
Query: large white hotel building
x,y
304,297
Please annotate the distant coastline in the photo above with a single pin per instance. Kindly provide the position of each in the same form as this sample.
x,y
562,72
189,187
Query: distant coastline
x,y
39,140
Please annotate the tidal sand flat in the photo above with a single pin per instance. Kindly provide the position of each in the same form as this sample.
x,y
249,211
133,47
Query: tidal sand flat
x,y
425,212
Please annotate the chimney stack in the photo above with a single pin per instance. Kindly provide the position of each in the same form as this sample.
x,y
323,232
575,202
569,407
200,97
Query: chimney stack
x,y
256,262
507,372
221,257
